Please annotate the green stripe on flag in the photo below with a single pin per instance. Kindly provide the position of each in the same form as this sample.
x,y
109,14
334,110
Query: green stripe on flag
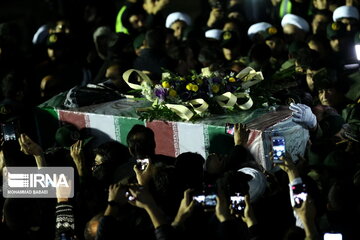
x,y
217,141
47,121
123,125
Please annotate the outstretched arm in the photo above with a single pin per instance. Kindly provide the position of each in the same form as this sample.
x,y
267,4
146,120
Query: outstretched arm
x,y
29,147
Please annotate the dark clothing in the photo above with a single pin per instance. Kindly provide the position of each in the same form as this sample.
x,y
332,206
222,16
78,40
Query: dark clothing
x,y
153,61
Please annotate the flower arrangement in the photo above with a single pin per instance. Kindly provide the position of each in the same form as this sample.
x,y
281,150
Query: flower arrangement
x,y
198,95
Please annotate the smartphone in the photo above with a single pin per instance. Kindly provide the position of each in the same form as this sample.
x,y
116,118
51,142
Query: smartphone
x,y
278,147
206,197
9,131
229,128
299,194
237,202
128,196
333,236
141,164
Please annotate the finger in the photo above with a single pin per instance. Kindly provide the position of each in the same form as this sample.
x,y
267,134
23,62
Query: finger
x,y
296,114
136,170
297,120
132,192
80,143
303,106
192,205
295,108
187,194
22,138
247,199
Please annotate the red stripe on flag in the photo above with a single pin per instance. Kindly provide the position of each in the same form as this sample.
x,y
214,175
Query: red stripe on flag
x,y
164,137
77,119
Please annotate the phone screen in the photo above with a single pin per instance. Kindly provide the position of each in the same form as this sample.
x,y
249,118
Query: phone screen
x,y
128,196
8,132
206,200
237,202
142,163
207,197
278,146
332,236
229,128
299,194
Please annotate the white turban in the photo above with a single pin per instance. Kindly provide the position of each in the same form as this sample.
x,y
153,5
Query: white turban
x,y
257,27
176,16
258,183
345,12
214,33
295,20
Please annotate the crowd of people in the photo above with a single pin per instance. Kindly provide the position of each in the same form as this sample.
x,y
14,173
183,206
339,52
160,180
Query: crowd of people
x,y
307,52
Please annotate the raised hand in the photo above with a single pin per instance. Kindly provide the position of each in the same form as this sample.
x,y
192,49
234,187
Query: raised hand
x,y
302,114
241,134
76,152
142,198
143,176
249,216
185,209
28,146
117,194
63,193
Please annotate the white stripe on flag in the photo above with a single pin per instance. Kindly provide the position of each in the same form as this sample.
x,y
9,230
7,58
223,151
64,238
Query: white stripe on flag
x,y
191,138
103,123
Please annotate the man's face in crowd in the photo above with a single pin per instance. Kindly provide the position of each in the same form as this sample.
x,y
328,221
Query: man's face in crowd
x,y
136,21
178,27
293,33
328,97
310,78
350,23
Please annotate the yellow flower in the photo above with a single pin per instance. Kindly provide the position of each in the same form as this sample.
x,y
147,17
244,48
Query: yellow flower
x,y
194,87
215,88
189,86
165,84
172,93
199,81
232,79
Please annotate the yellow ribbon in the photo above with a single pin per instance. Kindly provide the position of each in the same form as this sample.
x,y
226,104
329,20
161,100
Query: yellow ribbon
x,y
180,110
203,105
226,100
246,105
249,77
141,77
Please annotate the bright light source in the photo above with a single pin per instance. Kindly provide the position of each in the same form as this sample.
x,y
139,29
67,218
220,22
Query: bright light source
x,y
357,51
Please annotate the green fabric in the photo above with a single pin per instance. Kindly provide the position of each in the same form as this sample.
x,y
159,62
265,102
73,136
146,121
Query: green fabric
x,y
47,122
54,102
354,90
123,125
119,27
285,7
